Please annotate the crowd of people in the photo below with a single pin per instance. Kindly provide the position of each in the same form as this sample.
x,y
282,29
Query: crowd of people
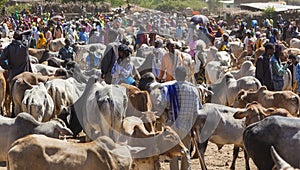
x,y
167,62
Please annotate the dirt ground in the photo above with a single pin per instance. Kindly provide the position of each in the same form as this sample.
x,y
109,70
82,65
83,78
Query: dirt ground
x,y
218,160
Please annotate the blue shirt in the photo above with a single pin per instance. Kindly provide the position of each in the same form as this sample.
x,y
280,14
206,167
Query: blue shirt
x,y
82,36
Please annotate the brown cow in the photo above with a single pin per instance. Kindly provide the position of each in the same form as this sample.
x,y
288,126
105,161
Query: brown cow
x,y
139,101
165,143
47,153
4,110
255,112
280,99
38,53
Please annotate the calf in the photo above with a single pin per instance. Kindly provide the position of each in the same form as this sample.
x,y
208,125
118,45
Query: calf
x,y
24,124
162,144
280,99
255,112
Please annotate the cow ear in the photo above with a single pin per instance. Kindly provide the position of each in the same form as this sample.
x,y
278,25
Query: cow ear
x,y
63,130
241,95
240,114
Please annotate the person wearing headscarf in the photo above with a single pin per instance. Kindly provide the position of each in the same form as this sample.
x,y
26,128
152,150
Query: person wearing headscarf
x,y
42,41
122,71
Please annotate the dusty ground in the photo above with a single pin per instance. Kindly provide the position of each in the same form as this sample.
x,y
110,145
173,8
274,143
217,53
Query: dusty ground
x,y
219,160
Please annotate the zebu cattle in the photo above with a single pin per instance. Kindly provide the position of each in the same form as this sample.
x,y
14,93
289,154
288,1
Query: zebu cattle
x,y
22,82
101,108
215,123
228,88
64,93
255,112
280,99
139,101
280,132
24,124
38,103
3,90
43,69
57,44
247,69
165,143
295,43
38,53
213,70
48,153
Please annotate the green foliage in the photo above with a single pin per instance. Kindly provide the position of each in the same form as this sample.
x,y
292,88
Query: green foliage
x,y
269,12
17,7
3,2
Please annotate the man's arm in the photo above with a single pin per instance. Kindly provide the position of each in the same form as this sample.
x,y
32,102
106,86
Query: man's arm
x,y
259,70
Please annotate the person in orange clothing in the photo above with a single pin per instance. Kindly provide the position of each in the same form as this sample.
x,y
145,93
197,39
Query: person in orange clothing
x,y
170,61
42,42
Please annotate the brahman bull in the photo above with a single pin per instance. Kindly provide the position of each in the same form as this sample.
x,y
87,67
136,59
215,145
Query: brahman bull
x,y
101,108
41,152
280,99
225,91
280,132
215,123
64,93
38,103
24,124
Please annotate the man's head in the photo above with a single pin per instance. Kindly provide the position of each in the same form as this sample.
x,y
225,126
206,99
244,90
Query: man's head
x,y
225,37
17,35
67,42
269,48
124,51
180,73
170,44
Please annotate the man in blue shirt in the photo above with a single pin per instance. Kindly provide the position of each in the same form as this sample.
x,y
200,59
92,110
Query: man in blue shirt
x,y
66,52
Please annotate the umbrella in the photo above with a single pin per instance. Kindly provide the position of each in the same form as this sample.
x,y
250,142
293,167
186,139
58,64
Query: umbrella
x,y
57,17
197,19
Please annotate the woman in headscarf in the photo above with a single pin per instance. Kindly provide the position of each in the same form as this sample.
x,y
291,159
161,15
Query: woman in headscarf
x,y
219,32
42,42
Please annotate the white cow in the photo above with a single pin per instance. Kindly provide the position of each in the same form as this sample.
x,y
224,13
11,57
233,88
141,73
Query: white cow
x,y
64,93
213,71
215,123
228,88
38,103
295,43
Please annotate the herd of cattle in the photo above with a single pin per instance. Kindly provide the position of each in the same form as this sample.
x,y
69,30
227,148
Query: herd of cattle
x,y
124,125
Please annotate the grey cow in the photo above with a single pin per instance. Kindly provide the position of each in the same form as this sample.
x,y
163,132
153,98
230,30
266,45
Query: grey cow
x,y
281,132
24,124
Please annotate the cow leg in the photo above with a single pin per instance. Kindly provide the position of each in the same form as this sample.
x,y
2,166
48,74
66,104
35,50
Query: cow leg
x,y
246,160
202,148
235,155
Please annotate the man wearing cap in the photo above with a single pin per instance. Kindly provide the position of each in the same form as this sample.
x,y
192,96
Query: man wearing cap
x,y
170,61
15,57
